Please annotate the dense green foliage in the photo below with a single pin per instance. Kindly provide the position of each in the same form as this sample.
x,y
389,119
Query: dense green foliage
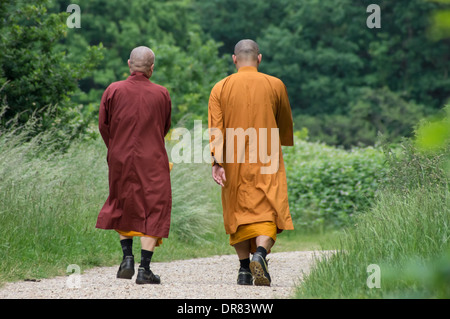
x,y
187,61
346,82
338,72
35,73
329,187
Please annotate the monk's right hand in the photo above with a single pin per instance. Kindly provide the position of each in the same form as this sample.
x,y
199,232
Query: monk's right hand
x,y
218,174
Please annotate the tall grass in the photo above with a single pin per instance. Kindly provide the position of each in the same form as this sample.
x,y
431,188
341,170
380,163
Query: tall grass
x,y
406,233
397,230
50,199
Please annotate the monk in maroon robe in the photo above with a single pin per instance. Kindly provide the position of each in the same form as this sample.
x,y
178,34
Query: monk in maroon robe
x,y
134,117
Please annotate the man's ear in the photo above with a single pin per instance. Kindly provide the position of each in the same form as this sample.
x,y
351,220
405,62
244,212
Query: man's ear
x,y
234,59
150,70
259,58
129,64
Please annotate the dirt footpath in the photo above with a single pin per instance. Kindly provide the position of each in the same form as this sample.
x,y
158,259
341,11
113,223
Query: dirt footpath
x,y
202,278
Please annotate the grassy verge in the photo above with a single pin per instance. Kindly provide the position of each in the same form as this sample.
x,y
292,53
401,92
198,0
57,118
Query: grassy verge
x,y
400,248
398,231
302,239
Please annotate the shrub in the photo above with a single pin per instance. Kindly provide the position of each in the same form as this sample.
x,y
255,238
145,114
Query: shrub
x,y
328,186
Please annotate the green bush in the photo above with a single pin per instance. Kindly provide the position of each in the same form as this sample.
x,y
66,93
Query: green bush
x,y
35,72
328,186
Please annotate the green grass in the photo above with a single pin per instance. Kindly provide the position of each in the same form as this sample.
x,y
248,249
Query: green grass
x,y
401,234
405,233
302,239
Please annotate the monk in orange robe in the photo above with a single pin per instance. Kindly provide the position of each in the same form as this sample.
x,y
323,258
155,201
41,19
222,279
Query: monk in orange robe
x,y
249,118
134,117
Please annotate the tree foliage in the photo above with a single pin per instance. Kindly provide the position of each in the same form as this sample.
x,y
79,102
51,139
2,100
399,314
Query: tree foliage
x,y
35,72
187,61
346,82
331,61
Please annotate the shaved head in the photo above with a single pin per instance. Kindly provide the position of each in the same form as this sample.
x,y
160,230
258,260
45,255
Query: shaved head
x,y
142,59
246,50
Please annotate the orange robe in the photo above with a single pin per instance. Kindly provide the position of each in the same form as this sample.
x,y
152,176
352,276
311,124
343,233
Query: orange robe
x,y
251,101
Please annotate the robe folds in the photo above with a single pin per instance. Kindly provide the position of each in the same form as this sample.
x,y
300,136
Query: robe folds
x,y
257,105
134,117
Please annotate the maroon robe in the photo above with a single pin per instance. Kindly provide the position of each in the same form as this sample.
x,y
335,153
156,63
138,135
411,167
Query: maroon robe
x,y
134,118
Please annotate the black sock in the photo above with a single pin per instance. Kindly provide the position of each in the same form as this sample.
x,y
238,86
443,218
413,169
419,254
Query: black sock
x,y
127,247
262,250
245,263
146,258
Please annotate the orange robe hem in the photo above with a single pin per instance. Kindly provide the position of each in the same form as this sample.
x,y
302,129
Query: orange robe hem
x,y
133,233
251,231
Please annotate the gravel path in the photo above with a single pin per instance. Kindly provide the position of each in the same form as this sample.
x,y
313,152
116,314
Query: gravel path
x,y
202,278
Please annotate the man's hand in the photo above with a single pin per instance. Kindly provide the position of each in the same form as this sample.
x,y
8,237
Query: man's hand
x,y
218,173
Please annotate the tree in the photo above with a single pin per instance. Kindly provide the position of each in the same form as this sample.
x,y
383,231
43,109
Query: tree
x,y
324,52
35,72
377,111
229,21
187,61
328,57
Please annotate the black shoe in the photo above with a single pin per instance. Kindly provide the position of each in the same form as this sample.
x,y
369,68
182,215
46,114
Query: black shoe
x,y
245,277
126,268
147,277
259,269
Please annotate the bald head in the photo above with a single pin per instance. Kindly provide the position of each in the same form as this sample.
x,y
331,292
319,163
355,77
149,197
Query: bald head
x,y
142,59
246,53
246,50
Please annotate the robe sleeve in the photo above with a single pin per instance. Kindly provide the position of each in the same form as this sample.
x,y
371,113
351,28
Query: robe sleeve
x,y
215,125
103,117
284,119
169,116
